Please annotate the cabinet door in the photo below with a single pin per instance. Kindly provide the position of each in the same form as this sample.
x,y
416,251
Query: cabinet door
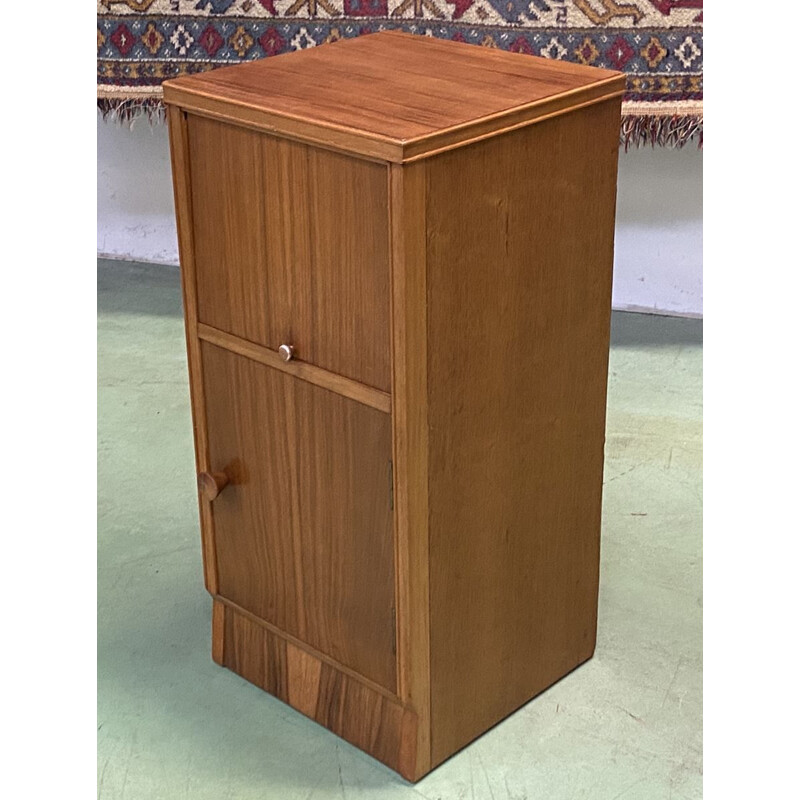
x,y
303,530
292,247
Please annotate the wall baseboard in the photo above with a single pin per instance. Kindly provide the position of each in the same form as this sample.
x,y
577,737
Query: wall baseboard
x,y
660,312
136,259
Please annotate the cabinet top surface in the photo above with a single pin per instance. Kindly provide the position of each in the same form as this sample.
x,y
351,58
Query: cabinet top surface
x,y
393,95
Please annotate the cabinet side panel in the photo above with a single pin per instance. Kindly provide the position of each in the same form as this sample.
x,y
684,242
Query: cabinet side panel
x,y
519,251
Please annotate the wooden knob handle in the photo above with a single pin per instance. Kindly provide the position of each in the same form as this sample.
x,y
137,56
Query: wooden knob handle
x,y
212,483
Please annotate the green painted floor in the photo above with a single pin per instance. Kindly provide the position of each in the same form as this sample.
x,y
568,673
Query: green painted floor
x,y
171,724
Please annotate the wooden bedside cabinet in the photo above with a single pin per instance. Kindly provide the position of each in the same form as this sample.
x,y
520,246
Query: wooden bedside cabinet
x,y
396,255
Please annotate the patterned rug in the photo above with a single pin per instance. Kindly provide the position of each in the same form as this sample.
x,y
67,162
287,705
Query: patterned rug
x,y
657,43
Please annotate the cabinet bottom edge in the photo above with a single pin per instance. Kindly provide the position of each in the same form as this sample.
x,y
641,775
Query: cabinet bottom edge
x,y
380,726
440,753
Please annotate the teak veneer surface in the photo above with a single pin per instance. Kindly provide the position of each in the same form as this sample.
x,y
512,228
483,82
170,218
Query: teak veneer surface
x,y
304,527
392,95
517,360
368,719
292,247
401,524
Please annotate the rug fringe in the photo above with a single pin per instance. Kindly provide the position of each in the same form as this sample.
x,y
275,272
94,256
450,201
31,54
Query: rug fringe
x,y
663,130
635,131
127,110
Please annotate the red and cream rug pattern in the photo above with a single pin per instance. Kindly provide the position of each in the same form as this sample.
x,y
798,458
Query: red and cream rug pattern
x,y
658,44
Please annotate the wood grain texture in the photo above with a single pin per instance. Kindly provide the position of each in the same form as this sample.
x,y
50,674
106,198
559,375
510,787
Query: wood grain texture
x,y
217,631
307,648
519,251
416,95
304,528
410,436
179,153
299,369
378,725
407,548
292,247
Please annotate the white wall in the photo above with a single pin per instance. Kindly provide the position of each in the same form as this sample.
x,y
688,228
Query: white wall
x,y
135,211
658,262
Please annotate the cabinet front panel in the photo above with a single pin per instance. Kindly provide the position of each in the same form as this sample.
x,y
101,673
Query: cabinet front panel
x,y
303,530
292,247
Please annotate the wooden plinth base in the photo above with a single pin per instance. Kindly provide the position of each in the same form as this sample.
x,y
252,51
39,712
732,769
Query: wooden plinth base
x,y
367,718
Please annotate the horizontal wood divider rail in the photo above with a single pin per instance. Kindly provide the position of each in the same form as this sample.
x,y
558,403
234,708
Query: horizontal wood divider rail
x,y
346,387
299,643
